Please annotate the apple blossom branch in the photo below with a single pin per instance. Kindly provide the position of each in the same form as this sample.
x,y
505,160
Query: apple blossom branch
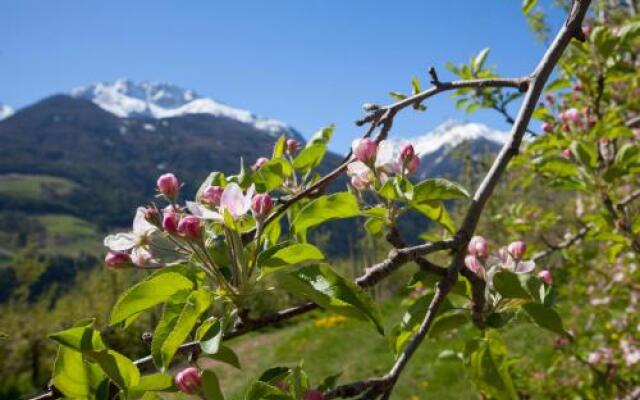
x,y
382,117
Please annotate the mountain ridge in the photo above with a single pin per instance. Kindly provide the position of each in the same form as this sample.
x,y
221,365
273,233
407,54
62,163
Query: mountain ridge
x,y
150,99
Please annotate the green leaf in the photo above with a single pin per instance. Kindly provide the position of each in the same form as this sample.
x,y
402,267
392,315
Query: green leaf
x,y
287,254
211,386
437,212
545,317
87,341
498,320
166,324
120,369
227,356
415,85
322,285
148,293
329,382
274,374
388,189
74,377
397,96
325,208
261,391
309,157
438,189
558,84
272,174
508,285
278,148
197,303
157,382
81,338
322,136
628,154
445,323
527,6
209,334
585,153
478,62
489,368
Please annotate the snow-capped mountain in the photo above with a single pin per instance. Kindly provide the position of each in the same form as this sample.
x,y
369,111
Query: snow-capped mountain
x,y
127,99
434,147
5,111
452,133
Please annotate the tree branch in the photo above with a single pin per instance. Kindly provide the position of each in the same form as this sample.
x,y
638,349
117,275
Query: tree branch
x,y
571,29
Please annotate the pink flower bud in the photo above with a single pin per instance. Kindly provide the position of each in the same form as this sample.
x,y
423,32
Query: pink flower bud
x,y
547,127
517,249
577,87
407,153
560,341
170,221
261,205
566,153
117,259
586,30
474,265
570,115
212,195
292,145
190,227
545,276
366,150
479,247
168,185
188,380
313,394
260,162
413,165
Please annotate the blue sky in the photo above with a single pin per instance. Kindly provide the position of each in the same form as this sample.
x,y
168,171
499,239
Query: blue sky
x,y
306,62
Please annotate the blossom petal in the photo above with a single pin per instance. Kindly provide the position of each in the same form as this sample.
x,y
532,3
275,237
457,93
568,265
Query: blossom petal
x,y
358,168
524,267
120,241
388,157
202,212
140,224
234,201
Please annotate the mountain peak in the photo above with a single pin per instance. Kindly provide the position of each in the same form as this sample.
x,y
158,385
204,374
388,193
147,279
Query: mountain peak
x,y
452,133
6,111
148,99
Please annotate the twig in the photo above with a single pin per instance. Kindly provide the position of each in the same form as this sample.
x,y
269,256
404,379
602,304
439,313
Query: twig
x,y
582,232
518,83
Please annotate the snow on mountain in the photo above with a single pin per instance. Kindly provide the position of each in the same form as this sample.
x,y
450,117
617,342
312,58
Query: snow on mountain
x,y
452,133
127,99
5,111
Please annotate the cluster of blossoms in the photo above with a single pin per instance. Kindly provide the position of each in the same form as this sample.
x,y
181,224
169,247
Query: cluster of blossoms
x,y
606,355
570,119
151,225
511,258
376,161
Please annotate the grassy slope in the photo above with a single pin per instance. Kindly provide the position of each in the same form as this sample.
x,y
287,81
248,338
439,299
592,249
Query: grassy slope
x,y
68,235
34,187
357,350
